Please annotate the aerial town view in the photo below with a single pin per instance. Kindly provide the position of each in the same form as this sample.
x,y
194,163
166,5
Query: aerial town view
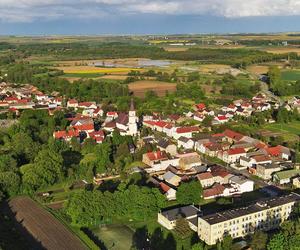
x,y
150,125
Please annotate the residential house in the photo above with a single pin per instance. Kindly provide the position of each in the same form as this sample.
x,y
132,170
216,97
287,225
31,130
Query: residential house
x,y
185,143
265,171
189,161
284,177
66,135
169,217
232,155
185,132
72,103
87,105
152,157
168,191
171,178
241,184
166,145
206,179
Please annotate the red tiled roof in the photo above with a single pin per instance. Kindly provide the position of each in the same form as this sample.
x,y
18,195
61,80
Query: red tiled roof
x,y
158,155
233,135
11,99
111,124
160,124
200,106
72,101
111,113
99,133
260,145
217,189
97,110
219,171
204,176
66,134
22,101
3,103
164,187
222,117
218,135
85,104
274,151
84,127
236,151
187,130
261,158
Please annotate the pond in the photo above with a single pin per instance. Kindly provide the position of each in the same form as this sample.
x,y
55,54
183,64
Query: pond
x,y
140,63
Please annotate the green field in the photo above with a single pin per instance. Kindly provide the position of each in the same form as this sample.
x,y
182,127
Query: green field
x,y
83,75
289,131
115,237
290,75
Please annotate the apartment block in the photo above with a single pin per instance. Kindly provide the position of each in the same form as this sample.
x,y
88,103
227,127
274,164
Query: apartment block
x,y
263,215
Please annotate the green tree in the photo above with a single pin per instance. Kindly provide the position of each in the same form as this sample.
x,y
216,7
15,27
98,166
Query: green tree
x,y
227,243
189,192
259,240
10,182
277,242
198,246
274,76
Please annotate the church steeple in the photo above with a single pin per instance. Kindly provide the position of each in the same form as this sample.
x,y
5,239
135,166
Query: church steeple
x,y
132,123
132,105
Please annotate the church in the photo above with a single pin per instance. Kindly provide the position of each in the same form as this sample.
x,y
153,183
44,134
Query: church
x,y
127,123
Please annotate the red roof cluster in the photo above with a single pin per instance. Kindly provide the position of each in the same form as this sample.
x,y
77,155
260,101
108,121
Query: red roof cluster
x,y
274,151
84,127
236,151
183,130
233,135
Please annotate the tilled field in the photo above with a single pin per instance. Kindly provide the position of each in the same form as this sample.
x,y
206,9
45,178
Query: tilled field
x,y
45,228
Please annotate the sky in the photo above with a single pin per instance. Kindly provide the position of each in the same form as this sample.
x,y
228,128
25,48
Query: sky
x,y
96,17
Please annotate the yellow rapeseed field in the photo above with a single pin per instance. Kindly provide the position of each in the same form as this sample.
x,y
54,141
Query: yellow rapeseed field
x,y
88,70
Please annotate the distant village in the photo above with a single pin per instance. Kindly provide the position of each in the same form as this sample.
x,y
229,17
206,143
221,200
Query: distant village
x,y
183,152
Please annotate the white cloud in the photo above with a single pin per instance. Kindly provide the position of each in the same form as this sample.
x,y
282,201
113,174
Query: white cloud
x,y
28,10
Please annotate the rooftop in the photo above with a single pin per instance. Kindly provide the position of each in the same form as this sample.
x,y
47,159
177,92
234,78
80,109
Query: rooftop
x,y
186,212
253,208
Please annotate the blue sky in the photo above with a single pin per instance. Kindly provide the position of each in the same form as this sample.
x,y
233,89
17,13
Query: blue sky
x,y
42,17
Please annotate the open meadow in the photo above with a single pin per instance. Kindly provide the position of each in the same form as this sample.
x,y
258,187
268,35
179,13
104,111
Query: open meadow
x,y
139,88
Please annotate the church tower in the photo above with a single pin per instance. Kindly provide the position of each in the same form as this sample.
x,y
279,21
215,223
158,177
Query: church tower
x,y
132,120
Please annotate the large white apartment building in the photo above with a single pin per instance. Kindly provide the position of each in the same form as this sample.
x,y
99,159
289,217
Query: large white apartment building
x,y
263,215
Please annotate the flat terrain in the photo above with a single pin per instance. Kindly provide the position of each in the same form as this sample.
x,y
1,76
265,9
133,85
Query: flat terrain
x,y
43,226
283,50
258,69
139,88
290,75
92,69
290,131
115,237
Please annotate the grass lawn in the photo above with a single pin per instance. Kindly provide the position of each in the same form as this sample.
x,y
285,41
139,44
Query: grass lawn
x,y
289,131
290,75
118,237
